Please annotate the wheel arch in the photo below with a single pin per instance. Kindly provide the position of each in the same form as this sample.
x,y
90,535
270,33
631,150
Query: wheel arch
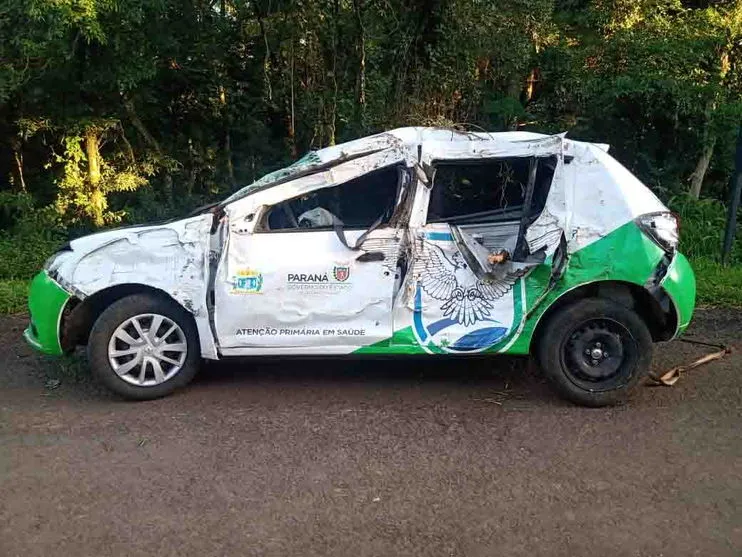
x,y
653,306
80,315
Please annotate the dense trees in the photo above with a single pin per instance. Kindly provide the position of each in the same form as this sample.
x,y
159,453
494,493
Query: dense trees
x,y
147,107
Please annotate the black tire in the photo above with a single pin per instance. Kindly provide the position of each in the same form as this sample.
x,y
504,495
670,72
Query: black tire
x,y
581,334
118,313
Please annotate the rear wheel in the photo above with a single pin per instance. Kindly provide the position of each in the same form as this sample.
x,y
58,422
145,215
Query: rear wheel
x,y
144,347
595,351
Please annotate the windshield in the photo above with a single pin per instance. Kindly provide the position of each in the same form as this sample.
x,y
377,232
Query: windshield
x,y
321,159
306,164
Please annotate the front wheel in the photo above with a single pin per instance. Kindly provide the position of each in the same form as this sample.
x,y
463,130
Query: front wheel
x,y
144,347
595,351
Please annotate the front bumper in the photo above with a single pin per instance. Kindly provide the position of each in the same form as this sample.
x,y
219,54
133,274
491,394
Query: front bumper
x,y
46,303
680,285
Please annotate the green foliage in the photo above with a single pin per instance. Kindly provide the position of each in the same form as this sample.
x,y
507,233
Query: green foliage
x,y
702,225
116,112
13,296
718,285
701,232
31,235
82,197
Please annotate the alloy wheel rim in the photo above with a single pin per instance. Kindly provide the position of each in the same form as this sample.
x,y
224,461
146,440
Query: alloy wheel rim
x,y
147,349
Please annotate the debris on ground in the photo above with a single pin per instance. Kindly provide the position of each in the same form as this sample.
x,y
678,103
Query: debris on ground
x,y
672,375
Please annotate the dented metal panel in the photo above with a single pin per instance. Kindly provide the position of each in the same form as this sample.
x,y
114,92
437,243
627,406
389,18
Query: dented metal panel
x,y
305,289
170,257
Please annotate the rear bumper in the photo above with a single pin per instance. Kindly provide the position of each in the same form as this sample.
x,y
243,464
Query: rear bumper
x,y
46,303
680,285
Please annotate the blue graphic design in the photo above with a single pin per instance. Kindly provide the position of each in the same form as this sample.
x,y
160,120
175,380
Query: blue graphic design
x,y
440,325
418,315
470,342
439,236
482,338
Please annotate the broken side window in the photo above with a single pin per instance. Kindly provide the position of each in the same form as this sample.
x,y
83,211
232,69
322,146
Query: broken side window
x,y
358,203
492,190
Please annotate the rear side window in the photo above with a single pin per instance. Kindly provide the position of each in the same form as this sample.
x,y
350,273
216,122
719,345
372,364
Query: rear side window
x,y
490,190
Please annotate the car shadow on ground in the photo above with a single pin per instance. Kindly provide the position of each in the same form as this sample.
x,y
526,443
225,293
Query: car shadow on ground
x,y
410,369
488,377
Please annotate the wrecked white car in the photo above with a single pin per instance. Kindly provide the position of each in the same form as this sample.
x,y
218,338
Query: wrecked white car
x,y
415,241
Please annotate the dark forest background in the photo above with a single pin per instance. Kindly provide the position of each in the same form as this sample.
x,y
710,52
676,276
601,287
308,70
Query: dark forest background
x,y
117,111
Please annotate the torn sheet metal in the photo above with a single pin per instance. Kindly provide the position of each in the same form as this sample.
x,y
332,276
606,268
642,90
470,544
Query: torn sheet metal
x,y
490,148
328,157
454,310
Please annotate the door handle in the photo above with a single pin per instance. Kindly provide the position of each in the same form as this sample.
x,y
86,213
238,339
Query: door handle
x,y
371,256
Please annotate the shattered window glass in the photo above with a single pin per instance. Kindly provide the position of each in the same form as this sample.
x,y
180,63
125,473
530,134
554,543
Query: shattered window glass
x,y
356,204
306,163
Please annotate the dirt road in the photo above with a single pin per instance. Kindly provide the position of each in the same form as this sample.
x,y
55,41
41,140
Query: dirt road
x,y
318,457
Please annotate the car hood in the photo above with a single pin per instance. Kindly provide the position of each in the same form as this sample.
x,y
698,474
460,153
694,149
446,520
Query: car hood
x,y
169,256
91,242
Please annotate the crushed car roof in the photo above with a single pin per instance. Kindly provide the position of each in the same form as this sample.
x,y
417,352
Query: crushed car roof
x,y
408,139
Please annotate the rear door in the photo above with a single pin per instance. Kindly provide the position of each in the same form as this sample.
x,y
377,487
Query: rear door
x,y
474,252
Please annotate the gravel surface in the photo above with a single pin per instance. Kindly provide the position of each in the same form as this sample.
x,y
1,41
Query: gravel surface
x,y
370,457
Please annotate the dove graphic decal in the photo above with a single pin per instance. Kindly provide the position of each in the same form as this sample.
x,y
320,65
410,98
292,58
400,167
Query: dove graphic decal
x,y
465,298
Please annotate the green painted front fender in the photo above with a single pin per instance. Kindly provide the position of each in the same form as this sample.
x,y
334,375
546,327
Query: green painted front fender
x,y
46,303
680,285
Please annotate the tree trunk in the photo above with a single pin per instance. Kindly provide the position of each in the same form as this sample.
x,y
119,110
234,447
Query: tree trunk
x,y
93,155
227,137
361,85
513,91
97,199
139,125
531,84
735,187
333,112
292,108
709,142
151,142
696,179
266,58
18,178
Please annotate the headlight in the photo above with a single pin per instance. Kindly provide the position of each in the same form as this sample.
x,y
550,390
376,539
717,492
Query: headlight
x,y
52,264
50,261
662,228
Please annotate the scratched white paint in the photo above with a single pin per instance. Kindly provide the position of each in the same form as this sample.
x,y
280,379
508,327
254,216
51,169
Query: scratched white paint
x,y
170,257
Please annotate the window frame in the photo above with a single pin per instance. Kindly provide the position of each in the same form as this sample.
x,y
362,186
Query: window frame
x,y
404,190
524,218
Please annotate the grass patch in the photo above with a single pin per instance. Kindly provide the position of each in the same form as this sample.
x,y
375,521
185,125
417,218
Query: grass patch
x,y
13,296
22,256
718,285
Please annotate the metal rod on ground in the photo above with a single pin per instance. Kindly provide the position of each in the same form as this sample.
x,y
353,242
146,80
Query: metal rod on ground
x,y
735,187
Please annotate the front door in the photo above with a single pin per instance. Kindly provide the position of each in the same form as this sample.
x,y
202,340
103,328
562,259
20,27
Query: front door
x,y
297,283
